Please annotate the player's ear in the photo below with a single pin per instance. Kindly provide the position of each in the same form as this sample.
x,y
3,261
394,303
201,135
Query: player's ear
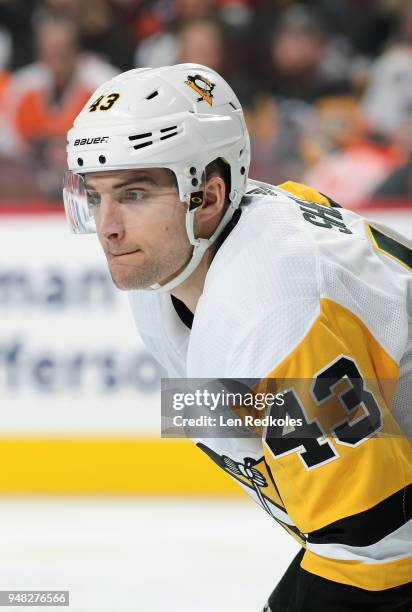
x,y
214,197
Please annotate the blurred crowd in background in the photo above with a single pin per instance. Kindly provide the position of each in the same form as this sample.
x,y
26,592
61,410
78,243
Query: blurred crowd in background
x,y
326,85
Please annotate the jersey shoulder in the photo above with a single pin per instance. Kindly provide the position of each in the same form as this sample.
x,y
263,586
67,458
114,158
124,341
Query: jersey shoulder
x,y
268,256
286,257
291,189
262,284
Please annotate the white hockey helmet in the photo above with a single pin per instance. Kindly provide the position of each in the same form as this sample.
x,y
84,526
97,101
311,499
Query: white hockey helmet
x,y
178,117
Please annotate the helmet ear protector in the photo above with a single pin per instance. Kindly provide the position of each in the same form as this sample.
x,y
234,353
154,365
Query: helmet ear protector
x,y
179,117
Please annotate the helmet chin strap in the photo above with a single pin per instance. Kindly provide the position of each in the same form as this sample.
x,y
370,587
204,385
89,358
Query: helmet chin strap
x,y
200,245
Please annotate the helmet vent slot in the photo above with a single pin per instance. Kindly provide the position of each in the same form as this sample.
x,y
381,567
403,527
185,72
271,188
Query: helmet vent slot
x,y
143,144
168,136
137,136
152,95
174,127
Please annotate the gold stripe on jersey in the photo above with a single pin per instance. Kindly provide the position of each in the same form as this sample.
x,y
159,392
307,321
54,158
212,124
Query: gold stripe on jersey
x,y
360,476
305,193
370,576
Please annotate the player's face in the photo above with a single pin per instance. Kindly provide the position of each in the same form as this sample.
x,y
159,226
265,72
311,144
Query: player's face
x,y
140,223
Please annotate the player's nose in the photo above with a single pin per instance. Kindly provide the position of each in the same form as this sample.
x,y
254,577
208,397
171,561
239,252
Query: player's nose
x,y
110,219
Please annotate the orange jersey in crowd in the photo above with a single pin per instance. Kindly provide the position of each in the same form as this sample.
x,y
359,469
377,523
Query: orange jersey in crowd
x,y
31,108
4,79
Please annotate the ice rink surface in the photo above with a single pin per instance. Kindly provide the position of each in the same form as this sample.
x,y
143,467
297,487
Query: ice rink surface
x,y
137,554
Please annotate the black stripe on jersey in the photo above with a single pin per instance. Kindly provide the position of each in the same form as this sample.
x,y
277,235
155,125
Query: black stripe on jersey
x,y
370,526
302,591
389,245
331,202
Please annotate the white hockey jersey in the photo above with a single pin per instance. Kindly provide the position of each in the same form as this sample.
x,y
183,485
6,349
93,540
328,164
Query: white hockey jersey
x,y
304,289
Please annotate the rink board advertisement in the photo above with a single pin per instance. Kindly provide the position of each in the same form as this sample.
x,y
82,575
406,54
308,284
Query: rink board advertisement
x,y
80,394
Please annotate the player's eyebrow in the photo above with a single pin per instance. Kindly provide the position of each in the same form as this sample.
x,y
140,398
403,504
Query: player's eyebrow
x,y
141,178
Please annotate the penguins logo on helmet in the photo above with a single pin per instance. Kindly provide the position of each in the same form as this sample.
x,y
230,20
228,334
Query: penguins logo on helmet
x,y
202,86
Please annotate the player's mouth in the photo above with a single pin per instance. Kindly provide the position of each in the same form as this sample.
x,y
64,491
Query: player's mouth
x,y
118,256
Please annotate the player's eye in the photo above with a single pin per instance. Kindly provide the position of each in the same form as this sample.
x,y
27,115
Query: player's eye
x,y
130,196
93,198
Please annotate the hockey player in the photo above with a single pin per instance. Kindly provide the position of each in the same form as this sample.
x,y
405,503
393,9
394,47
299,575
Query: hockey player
x,y
231,278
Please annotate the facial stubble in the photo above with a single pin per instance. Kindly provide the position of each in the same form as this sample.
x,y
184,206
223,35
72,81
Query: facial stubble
x,y
156,268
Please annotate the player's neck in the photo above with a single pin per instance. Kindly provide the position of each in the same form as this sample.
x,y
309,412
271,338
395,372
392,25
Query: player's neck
x,y
191,289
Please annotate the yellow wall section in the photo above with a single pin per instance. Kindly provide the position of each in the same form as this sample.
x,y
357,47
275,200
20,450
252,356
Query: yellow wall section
x,y
110,466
